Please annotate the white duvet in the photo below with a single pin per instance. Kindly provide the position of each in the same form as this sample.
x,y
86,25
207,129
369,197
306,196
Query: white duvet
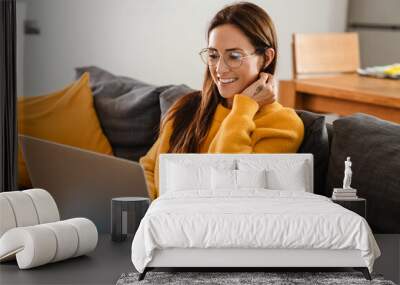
x,y
252,218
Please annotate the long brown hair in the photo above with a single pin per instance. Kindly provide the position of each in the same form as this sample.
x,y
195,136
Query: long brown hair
x,y
194,112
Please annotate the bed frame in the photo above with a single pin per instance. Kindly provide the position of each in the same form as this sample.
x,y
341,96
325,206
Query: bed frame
x,y
242,259
246,258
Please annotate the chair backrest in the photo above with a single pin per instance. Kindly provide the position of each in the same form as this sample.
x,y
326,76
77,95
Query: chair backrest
x,y
325,53
26,208
295,167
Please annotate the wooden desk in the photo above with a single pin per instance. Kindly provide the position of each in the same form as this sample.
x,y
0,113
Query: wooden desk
x,y
343,95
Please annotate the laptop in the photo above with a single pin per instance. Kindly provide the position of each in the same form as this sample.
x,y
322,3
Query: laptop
x,y
81,182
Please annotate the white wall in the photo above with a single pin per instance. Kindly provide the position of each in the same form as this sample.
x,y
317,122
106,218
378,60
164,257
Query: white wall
x,y
156,41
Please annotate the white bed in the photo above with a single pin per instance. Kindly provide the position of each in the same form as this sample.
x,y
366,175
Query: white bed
x,y
268,217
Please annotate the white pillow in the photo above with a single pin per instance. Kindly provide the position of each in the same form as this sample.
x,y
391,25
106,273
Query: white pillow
x,y
223,179
282,174
236,179
187,177
292,179
251,178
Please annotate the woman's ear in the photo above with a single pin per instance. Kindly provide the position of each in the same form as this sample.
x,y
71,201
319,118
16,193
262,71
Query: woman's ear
x,y
269,57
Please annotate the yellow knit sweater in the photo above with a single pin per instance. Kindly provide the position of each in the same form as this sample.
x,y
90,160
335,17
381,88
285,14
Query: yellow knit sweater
x,y
243,129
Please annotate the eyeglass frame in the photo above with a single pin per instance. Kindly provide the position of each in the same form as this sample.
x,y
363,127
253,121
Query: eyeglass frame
x,y
257,50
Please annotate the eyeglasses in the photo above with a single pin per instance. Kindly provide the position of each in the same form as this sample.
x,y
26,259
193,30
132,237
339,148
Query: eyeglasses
x,y
233,59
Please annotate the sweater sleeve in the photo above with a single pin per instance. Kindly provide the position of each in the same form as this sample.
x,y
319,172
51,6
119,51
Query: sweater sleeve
x,y
280,131
277,130
148,163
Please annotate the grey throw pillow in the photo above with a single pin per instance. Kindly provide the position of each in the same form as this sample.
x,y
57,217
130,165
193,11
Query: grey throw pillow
x,y
99,75
171,94
316,142
128,110
374,147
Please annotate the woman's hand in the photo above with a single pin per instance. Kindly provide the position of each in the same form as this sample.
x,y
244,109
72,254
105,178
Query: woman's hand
x,y
263,90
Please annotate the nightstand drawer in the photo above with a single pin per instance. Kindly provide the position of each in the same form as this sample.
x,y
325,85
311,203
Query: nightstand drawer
x,y
358,205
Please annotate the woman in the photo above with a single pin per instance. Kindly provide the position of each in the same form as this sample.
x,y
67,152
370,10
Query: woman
x,y
236,111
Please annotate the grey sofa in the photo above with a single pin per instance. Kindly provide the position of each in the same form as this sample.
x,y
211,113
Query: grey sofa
x,y
130,111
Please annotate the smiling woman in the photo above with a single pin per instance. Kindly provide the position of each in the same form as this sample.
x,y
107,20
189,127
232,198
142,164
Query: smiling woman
x,y
244,57
236,111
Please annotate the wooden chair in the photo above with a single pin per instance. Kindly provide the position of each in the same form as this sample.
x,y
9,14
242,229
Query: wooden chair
x,y
325,53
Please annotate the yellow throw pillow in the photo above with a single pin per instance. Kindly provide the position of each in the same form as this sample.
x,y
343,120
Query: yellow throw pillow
x,y
67,116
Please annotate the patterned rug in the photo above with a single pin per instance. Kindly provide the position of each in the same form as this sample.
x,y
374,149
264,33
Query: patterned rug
x,y
243,278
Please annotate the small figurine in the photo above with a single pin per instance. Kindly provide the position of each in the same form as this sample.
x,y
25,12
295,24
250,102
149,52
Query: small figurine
x,y
347,174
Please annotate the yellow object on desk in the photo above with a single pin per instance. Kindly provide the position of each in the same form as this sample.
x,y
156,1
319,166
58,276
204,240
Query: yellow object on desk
x,y
394,70
386,71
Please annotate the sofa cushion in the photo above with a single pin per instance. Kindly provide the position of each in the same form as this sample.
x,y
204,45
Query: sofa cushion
x,y
67,117
128,110
329,128
171,94
316,142
374,147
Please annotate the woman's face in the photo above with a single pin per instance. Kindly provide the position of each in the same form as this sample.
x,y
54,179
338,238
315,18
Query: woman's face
x,y
228,38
